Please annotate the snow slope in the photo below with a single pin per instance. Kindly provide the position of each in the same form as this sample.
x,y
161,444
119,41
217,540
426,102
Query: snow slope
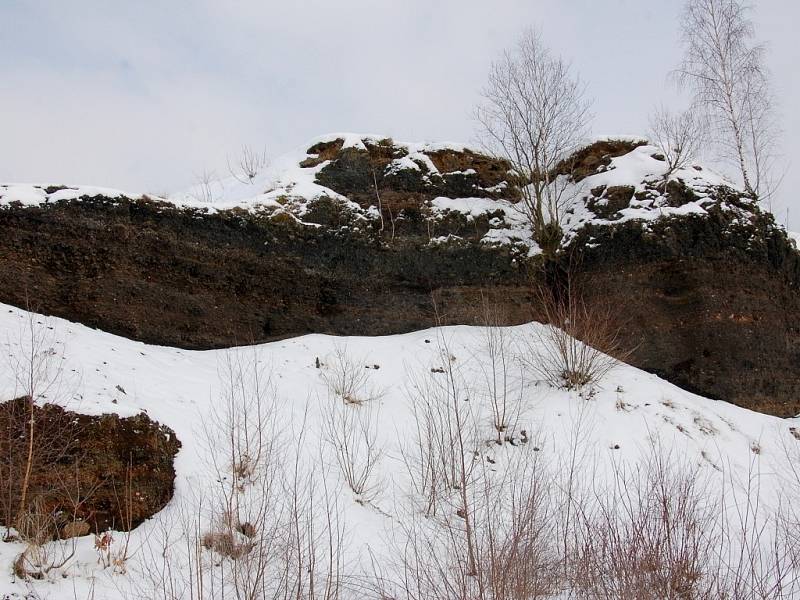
x,y
184,390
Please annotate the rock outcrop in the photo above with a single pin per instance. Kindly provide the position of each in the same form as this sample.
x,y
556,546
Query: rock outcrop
x,y
705,281
89,473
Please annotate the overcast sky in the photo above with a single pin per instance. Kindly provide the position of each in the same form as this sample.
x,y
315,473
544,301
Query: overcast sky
x,y
145,95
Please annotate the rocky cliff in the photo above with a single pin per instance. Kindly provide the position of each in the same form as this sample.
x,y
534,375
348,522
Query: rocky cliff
x,y
363,235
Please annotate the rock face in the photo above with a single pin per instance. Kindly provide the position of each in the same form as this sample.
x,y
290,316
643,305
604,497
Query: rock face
x,y
89,473
705,282
713,310
169,276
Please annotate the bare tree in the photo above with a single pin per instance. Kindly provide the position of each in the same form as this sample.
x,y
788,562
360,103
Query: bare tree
x,y
725,69
677,135
248,164
348,378
534,114
204,187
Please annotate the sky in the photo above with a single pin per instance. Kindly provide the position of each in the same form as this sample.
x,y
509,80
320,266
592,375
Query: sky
x,y
145,96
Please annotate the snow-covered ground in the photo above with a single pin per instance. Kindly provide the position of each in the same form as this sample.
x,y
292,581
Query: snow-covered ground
x,y
615,423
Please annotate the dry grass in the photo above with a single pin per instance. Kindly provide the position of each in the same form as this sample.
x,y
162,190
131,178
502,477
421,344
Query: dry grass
x,y
226,544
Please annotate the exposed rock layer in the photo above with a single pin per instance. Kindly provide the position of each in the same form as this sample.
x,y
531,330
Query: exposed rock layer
x,y
710,302
104,471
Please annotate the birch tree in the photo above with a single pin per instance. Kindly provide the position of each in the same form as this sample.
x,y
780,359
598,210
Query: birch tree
x,y
725,68
535,113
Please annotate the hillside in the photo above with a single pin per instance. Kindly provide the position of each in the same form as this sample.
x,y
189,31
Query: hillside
x,y
562,440
707,280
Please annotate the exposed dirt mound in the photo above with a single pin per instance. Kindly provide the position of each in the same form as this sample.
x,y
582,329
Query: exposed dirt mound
x,y
103,471
595,157
364,174
321,152
185,278
710,304
490,171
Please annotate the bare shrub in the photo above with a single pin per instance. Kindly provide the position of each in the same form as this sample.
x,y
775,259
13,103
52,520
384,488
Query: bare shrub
x,y
117,556
580,341
311,565
652,534
249,163
757,557
502,378
348,378
445,450
572,487
244,459
226,544
444,446
204,187
42,554
268,528
506,550
37,367
516,530
678,136
351,433
32,439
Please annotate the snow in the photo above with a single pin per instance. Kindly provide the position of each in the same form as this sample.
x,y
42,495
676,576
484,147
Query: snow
x,y
474,207
511,229
181,389
641,171
357,140
284,186
282,176
31,194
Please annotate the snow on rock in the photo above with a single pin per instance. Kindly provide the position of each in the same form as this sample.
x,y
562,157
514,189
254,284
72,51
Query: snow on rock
x,y
645,175
281,178
509,225
31,194
286,186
